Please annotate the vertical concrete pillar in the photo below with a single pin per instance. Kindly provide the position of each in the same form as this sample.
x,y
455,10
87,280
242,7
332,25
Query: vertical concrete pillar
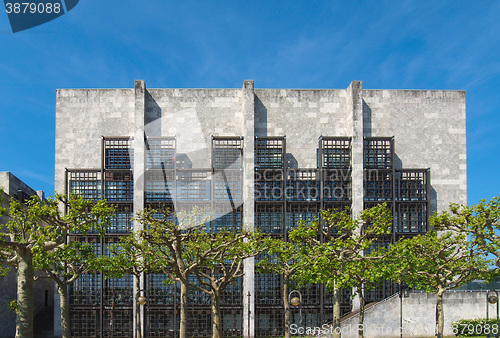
x,y
138,173
248,108
355,106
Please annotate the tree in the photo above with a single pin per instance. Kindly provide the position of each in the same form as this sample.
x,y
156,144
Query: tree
x,y
174,239
480,222
344,241
283,258
130,256
36,236
222,265
436,263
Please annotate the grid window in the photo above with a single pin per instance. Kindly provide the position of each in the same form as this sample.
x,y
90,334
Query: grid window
x,y
228,185
200,322
232,293
268,289
121,220
411,217
232,323
411,186
227,153
378,185
118,153
86,184
299,212
335,153
118,323
118,291
336,185
378,153
269,218
160,153
86,290
269,185
269,153
159,292
118,186
84,323
227,218
302,185
159,185
269,322
161,323
193,186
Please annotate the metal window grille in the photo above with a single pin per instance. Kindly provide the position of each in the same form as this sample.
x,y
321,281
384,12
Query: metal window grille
x,y
227,217
163,322
160,153
118,323
121,220
228,185
160,292
118,153
86,184
118,291
411,185
232,325
160,185
268,289
301,212
269,185
302,185
411,217
118,186
200,322
378,185
196,296
269,218
232,293
84,323
193,185
337,185
378,153
269,153
86,290
334,153
269,322
227,152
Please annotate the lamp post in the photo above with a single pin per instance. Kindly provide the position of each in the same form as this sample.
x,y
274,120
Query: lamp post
x,y
491,298
141,301
297,301
403,292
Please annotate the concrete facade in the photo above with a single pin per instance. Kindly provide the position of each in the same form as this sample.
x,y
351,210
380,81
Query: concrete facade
x,y
43,288
428,130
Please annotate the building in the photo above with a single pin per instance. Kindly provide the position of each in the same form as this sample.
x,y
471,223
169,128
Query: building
x,y
14,188
261,158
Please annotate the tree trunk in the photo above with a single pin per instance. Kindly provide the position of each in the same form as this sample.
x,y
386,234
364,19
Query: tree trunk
x,y
25,303
137,307
216,315
361,326
439,314
62,290
336,311
286,305
183,332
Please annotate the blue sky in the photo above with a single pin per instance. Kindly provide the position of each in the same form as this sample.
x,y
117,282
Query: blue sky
x,y
452,45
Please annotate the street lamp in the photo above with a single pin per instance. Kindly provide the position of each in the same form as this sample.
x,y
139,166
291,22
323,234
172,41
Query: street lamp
x,y
491,298
297,301
141,301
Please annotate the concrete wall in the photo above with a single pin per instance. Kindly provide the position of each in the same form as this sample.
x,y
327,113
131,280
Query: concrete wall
x,y
11,184
383,319
429,130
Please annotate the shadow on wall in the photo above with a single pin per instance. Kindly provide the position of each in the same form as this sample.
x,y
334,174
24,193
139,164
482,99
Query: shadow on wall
x,y
260,117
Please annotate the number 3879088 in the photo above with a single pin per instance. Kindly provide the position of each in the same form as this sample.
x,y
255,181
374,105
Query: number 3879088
x,y
32,8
